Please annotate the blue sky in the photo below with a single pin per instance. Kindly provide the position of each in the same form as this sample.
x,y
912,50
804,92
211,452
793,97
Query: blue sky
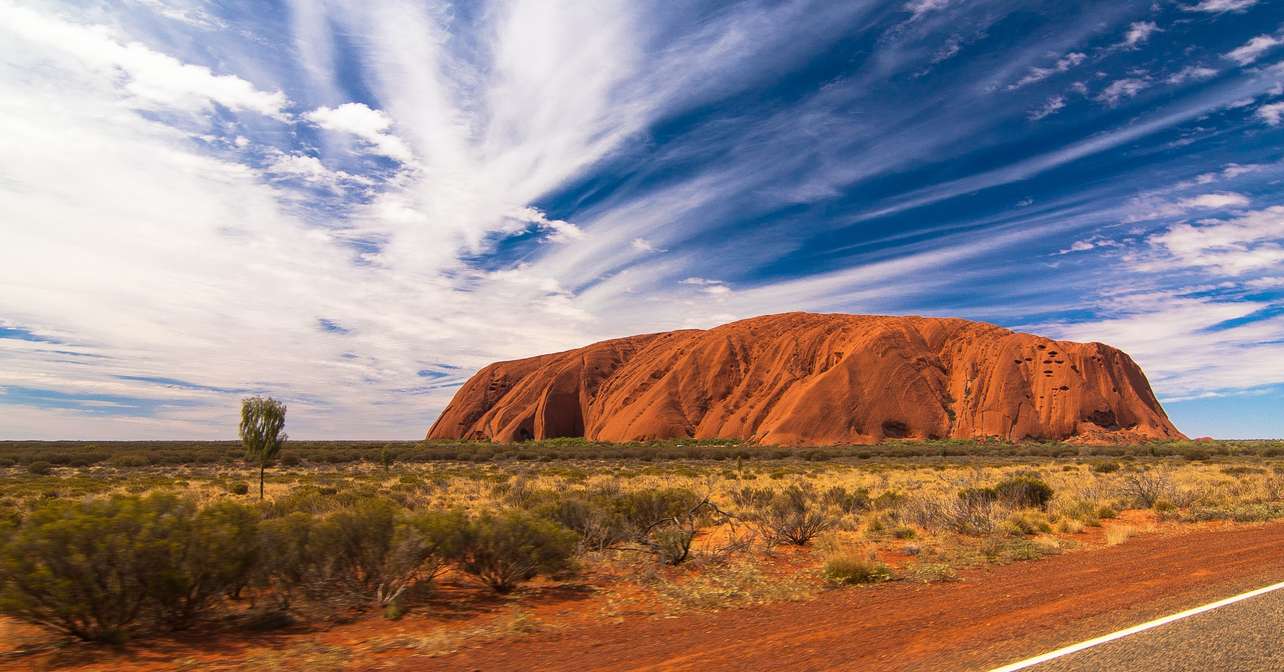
x,y
353,206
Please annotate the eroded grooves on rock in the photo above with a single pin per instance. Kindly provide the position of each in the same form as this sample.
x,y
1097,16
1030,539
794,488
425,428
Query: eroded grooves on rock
x,y
801,378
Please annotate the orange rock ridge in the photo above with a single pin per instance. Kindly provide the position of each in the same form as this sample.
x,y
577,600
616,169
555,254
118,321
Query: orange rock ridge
x,y
803,378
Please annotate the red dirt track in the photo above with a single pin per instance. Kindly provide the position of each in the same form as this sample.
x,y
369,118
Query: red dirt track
x,y
994,616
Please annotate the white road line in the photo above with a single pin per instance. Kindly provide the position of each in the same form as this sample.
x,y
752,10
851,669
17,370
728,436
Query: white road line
x,y
1074,648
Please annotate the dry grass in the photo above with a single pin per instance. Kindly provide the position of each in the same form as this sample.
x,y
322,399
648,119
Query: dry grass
x,y
1118,534
513,624
737,583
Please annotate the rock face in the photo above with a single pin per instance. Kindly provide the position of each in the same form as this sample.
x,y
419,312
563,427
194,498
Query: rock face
x,y
802,378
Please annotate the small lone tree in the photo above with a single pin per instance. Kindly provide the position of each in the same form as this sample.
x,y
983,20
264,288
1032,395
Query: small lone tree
x,y
262,419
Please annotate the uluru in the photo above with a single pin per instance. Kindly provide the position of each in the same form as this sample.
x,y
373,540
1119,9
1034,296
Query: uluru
x,y
815,379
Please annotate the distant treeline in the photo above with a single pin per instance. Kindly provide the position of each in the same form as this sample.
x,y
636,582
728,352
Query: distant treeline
x,y
145,453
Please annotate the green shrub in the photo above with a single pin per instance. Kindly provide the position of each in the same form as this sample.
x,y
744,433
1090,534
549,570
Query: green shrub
x,y
598,525
206,554
852,568
504,550
92,568
1105,467
848,501
373,551
662,522
888,500
1024,492
239,488
752,498
1021,524
293,562
978,496
128,460
40,468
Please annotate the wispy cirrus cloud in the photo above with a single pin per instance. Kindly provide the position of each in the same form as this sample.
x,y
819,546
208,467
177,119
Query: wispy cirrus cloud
x,y
328,200
1254,49
1219,6
1040,73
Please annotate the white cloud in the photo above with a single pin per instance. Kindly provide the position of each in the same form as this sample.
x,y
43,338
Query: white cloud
x,y
1224,199
1158,206
1122,88
643,245
1251,242
1079,246
1218,6
310,169
1054,104
365,123
1233,170
1253,49
151,80
1038,74
1191,73
1139,32
183,13
562,231
1271,113
921,7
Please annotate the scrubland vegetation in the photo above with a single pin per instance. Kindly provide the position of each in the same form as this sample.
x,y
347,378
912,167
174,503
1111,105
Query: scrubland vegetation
x,y
110,542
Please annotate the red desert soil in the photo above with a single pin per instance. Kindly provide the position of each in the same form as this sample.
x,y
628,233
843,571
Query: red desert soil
x,y
994,616
802,378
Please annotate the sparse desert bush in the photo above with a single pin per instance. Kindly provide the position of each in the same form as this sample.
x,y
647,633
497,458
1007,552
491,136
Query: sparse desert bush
x,y
795,515
855,500
504,550
1105,467
1022,524
239,488
749,497
663,522
904,532
971,511
40,468
853,568
1082,511
1069,526
1145,487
